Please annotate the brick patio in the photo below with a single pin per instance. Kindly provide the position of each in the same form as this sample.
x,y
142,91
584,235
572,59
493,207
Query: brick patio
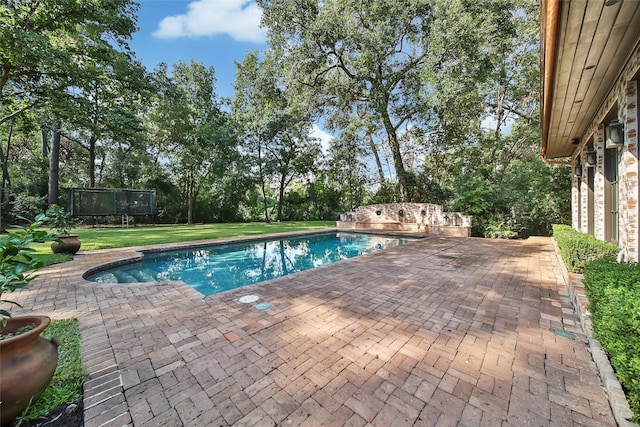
x,y
439,332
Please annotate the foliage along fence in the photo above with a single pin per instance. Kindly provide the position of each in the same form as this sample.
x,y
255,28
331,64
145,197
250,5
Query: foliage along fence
x,y
578,249
613,290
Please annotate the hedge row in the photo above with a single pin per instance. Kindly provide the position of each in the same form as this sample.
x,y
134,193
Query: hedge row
x,y
614,301
578,249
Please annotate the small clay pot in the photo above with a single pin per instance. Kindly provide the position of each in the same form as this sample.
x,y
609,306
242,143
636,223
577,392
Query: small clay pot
x,y
68,245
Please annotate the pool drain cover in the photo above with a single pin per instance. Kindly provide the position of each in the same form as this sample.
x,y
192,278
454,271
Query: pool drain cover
x,y
563,333
249,299
263,306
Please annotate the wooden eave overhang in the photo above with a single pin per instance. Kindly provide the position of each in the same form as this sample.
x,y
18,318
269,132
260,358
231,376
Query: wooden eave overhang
x,y
584,47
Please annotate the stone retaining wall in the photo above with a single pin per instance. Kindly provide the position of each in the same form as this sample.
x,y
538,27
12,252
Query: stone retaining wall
x,y
423,218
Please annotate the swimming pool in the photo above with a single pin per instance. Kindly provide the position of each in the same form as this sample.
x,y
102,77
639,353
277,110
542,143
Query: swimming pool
x,y
219,268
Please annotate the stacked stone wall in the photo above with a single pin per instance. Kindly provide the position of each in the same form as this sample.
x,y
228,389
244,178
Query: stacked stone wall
x,y
408,217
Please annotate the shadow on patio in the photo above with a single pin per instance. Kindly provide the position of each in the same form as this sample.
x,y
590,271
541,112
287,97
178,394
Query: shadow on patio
x,y
436,332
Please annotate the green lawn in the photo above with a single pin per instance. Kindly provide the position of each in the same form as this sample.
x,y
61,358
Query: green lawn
x,y
104,238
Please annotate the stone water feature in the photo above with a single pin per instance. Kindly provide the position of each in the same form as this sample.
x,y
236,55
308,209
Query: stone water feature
x,y
419,218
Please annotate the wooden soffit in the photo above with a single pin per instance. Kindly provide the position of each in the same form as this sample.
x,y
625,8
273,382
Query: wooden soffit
x,y
584,46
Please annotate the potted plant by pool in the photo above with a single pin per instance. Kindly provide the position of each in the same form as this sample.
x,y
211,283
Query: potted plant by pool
x,y
60,222
27,361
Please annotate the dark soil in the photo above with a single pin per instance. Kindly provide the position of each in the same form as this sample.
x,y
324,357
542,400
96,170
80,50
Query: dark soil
x,y
64,416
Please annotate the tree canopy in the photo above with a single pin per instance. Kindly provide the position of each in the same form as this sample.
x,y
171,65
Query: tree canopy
x,y
426,101
49,46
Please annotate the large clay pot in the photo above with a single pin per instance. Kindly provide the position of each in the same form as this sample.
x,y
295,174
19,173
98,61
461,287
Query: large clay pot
x,y
27,363
68,245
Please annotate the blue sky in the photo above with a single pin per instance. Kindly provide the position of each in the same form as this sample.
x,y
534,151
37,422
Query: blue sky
x,y
215,32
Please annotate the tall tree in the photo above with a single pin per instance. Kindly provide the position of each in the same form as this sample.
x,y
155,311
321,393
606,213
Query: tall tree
x,y
45,45
48,55
347,170
276,125
191,130
486,164
358,55
106,104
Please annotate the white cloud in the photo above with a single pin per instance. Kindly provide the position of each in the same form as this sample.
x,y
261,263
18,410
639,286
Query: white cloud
x,y
240,19
324,137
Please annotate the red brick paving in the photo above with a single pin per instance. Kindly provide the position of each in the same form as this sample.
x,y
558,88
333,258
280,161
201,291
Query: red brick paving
x,y
438,332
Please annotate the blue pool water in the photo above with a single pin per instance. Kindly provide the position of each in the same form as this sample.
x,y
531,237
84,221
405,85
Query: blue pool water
x,y
219,268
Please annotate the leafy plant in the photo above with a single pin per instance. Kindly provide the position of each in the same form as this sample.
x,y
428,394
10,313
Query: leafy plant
x,y
614,301
59,220
495,228
578,249
17,262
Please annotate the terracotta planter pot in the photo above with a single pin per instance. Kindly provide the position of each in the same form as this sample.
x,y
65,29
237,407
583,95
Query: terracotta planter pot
x,y
27,363
69,245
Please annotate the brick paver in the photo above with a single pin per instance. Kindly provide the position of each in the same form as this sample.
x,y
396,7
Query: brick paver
x,y
437,332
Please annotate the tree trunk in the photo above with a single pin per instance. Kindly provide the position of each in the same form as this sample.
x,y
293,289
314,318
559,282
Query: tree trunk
x,y
4,158
497,132
263,185
92,161
45,141
376,155
6,180
54,166
398,164
191,196
190,210
281,195
265,205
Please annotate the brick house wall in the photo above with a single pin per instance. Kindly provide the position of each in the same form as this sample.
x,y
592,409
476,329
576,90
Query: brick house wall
x,y
599,184
629,172
583,202
622,101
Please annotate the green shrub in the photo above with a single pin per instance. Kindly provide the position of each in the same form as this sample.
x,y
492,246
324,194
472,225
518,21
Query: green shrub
x,y
578,249
614,301
496,229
